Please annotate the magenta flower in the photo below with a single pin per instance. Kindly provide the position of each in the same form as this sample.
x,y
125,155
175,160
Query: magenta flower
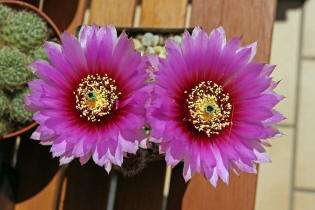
x,y
213,106
89,101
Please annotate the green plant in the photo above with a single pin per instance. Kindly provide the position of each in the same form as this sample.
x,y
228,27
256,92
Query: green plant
x,y
4,101
4,13
17,113
38,53
22,35
24,30
14,73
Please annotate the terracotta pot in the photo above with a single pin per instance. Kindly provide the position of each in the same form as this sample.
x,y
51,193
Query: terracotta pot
x,y
21,5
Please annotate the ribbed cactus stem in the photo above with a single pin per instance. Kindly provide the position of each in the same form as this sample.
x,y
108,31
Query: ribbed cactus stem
x,y
38,53
4,13
17,112
14,73
4,102
24,30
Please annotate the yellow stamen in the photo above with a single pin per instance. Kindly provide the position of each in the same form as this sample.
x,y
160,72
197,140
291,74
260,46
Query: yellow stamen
x,y
96,96
209,108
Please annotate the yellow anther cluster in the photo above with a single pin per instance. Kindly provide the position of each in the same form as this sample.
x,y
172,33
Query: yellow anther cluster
x,y
104,92
207,94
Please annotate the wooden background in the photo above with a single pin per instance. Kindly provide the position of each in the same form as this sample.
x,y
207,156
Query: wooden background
x,y
43,185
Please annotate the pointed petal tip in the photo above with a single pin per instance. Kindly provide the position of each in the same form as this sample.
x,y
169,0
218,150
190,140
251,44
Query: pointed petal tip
x,y
221,30
83,160
65,160
46,143
35,135
196,31
65,36
108,166
49,44
213,182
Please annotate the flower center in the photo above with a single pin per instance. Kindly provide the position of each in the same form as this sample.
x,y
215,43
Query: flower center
x,y
96,97
91,96
209,108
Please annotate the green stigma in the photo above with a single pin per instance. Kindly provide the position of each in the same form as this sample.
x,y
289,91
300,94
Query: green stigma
x,y
209,109
91,96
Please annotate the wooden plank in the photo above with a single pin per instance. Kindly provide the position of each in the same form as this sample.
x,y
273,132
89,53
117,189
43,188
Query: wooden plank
x,y
72,13
252,20
177,188
38,177
6,152
78,17
163,13
238,195
143,191
86,187
117,12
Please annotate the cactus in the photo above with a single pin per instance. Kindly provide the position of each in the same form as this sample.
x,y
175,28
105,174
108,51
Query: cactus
x,y
4,13
17,113
24,30
14,73
4,101
22,35
38,53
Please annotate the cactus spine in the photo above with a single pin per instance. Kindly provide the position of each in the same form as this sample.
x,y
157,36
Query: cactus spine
x,y
38,53
17,113
24,30
22,35
14,73
4,13
4,102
